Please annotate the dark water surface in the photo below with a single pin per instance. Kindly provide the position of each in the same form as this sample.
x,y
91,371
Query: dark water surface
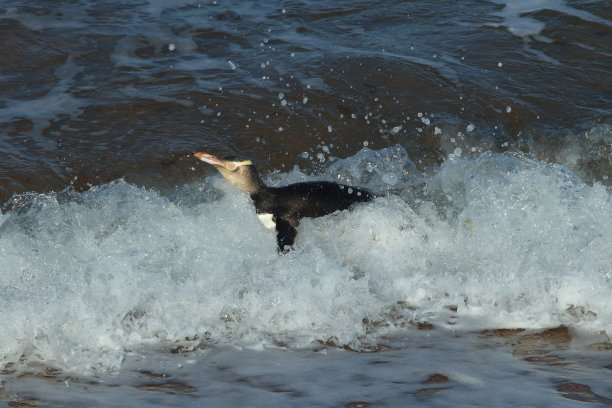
x,y
93,91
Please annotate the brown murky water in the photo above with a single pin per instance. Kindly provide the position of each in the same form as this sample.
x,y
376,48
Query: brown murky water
x,y
90,92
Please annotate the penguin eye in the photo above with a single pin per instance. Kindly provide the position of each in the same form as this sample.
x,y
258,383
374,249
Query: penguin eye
x,y
231,166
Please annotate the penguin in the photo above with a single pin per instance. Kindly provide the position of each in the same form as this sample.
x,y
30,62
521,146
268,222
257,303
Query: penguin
x,y
282,208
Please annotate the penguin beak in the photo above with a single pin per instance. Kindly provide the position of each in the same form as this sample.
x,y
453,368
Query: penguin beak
x,y
210,159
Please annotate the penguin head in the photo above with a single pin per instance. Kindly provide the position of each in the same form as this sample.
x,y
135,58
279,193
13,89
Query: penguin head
x,y
238,170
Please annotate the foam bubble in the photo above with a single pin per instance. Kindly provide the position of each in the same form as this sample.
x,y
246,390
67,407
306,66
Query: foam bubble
x,y
517,19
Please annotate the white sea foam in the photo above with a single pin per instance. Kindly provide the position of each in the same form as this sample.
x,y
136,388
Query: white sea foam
x,y
510,241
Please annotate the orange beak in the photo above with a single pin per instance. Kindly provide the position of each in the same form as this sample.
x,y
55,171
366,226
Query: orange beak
x,y
210,159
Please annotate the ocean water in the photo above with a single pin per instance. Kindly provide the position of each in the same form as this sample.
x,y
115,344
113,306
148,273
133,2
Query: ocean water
x,y
133,275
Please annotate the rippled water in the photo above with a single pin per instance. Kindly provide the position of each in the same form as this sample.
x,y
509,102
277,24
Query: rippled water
x,y
484,126
92,91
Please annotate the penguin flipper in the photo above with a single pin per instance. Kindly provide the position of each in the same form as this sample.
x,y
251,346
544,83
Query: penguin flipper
x,y
285,235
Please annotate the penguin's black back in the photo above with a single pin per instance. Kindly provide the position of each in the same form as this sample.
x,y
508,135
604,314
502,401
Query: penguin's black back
x,y
308,199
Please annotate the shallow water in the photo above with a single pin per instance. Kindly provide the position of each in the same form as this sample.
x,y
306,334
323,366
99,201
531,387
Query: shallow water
x,y
423,368
484,127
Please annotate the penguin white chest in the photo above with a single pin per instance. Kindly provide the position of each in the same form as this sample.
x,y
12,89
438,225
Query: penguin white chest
x,y
267,220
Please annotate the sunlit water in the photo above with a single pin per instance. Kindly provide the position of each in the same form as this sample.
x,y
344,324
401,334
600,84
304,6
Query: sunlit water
x,y
130,273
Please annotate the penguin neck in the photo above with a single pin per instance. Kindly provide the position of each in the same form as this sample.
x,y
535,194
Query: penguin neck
x,y
256,187
247,180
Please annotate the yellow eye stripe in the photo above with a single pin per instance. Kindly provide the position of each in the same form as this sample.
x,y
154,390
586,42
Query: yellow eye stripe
x,y
232,165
